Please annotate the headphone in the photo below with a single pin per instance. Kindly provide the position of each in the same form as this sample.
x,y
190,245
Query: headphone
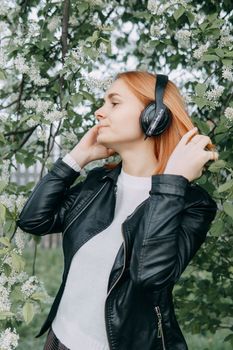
x,y
156,117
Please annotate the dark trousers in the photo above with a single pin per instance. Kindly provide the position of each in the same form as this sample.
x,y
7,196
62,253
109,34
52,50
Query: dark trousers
x,y
52,343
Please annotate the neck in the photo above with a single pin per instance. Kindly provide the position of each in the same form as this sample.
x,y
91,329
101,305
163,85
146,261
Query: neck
x,y
140,161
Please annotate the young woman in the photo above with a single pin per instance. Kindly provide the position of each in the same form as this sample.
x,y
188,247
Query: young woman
x,y
129,229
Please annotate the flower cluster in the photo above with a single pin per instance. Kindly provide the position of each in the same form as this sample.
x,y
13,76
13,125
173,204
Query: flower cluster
x,y
54,23
214,94
183,37
226,40
12,202
229,113
3,58
20,239
227,73
155,30
55,115
199,52
5,175
30,286
156,7
30,69
9,339
5,304
95,83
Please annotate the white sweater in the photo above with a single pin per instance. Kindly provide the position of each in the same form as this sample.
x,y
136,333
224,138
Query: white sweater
x,y
80,320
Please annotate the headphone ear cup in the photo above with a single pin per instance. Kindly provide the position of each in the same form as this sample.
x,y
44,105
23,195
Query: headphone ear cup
x,y
148,114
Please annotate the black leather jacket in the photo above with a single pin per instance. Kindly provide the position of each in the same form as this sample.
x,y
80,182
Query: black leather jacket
x,y
160,238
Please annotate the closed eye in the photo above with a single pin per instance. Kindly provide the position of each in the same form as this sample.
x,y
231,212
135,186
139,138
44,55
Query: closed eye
x,y
114,103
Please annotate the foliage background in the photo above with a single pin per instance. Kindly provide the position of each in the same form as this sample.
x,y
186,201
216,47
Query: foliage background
x,y
56,58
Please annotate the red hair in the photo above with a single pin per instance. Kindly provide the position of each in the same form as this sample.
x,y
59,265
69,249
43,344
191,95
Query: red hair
x,y
142,84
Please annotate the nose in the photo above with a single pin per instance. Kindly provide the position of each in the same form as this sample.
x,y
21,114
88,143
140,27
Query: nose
x,y
99,114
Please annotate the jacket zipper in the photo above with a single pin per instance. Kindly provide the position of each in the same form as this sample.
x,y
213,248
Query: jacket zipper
x,y
87,204
160,326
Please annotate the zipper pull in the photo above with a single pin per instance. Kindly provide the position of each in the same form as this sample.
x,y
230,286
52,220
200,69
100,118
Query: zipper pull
x,y
159,334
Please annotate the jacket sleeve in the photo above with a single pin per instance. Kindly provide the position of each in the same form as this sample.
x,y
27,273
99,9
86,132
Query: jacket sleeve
x,y
45,208
179,217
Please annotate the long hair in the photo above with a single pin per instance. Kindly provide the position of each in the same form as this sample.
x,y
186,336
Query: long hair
x,y
142,84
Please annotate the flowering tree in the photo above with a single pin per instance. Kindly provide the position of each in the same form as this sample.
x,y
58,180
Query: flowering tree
x,y
49,50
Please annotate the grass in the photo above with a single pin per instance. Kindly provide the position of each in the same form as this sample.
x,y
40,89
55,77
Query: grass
x,y
49,268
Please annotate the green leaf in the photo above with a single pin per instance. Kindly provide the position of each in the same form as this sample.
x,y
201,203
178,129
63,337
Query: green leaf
x,y
178,13
38,296
200,89
88,96
17,262
228,208
3,185
2,213
227,62
76,99
226,186
28,312
217,165
5,315
209,58
217,228
2,75
5,241
219,52
190,16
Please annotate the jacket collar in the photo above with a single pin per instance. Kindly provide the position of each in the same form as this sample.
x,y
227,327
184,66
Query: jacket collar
x,y
112,173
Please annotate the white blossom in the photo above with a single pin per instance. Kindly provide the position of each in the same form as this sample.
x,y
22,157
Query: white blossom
x,y
102,48
70,136
4,8
183,37
54,23
30,286
41,134
3,59
225,39
3,279
155,30
16,277
33,30
20,239
21,65
31,122
227,73
3,116
9,339
229,113
96,2
55,115
214,94
8,200
198,53
5,174
95,83
5,304
41,106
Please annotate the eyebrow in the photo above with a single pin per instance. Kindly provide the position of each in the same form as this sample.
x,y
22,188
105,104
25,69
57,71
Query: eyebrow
x,y
111,95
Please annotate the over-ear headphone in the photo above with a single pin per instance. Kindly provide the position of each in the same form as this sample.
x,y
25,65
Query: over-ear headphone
x,y
156,117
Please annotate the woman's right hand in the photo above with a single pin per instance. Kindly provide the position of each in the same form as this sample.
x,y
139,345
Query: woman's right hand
x,y
88,149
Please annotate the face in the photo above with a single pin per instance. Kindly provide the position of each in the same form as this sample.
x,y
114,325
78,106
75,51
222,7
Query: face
x,y
119,116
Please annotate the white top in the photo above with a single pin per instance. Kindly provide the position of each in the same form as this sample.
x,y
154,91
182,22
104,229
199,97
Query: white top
x,y
80,319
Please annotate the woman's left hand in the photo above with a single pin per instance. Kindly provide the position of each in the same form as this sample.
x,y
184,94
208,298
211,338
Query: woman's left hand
x,y
189,156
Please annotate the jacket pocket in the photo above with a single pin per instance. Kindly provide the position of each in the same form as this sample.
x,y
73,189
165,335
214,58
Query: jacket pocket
x,y
160,333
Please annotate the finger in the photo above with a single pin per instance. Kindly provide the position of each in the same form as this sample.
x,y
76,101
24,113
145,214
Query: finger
x,y
185,138
203,140
212,155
